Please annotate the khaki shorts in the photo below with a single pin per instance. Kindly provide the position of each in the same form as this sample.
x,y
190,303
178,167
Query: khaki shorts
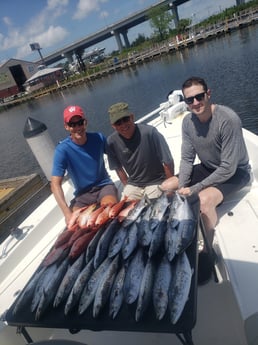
x,y
133,192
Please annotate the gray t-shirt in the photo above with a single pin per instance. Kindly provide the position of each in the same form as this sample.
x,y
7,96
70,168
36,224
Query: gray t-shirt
x,y
218,143
142,156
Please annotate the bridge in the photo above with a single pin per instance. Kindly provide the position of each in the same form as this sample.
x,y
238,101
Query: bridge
x,y
114,30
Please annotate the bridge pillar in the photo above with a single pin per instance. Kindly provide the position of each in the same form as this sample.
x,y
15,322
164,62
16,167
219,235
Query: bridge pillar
x,y
78,54
69,57
174,11
127,43
118,40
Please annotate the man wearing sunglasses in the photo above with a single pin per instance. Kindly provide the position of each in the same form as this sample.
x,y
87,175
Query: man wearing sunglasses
x,y
139,154
81,155
213,133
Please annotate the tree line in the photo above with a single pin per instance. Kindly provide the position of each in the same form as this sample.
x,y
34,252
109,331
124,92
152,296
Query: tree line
x,y
162,22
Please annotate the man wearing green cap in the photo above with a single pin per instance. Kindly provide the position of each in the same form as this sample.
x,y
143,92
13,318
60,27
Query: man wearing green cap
x,y
139,154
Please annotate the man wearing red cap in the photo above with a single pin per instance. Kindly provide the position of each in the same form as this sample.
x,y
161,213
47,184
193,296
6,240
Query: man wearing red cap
x,y
81,155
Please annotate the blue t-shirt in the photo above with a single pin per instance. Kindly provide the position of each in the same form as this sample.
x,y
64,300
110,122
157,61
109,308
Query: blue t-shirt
x,y
84,163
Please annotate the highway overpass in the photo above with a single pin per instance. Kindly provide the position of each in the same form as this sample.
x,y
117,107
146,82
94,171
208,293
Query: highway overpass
x,y
115,30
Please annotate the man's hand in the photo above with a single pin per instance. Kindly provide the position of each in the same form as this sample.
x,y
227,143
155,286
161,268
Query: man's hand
x,y
184,191
170,185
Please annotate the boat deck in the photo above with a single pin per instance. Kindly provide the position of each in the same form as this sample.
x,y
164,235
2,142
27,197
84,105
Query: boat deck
x,y
225,309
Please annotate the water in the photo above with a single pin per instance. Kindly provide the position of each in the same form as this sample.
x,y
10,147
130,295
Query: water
x,y
229,64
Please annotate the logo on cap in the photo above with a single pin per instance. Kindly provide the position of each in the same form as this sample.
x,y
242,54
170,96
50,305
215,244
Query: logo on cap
x,y
72,109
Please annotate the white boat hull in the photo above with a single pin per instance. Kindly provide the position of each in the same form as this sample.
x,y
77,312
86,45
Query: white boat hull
x,y
227,310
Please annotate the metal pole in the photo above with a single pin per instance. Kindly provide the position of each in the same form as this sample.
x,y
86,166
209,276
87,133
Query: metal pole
x,y
42,59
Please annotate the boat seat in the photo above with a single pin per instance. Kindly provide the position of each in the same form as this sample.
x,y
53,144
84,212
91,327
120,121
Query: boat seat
x,y
237,239
56,342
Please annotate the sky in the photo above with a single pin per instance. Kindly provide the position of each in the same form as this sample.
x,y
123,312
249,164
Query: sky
x,y
55,24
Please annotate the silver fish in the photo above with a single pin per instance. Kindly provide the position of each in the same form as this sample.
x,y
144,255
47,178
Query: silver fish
x,y
49,292
133,277
161,287
186,232
91,248
68,281
172,211
182,208
131,241
105,286
159,209
145,231
171,241
104,242
41,284
26,295
90,289
117,242
116,295
78,287
186,226
145,292
180,287
135,212
157,237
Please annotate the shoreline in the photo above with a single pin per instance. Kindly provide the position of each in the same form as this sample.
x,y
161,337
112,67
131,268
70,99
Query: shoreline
x,y
169,47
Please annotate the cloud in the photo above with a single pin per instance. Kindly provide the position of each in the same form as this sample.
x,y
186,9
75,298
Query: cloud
x,y
53,4
56,7
103,14
13,40
7,21
85,7
39,29
49,38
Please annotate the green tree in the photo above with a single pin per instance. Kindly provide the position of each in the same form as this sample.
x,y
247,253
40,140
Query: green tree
x,y
183,25
139,40
65,66
160,20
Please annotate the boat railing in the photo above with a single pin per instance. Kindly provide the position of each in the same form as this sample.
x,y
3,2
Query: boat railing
x,y
148,116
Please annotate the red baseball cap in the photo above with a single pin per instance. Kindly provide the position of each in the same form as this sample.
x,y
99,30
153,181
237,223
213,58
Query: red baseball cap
x,y
72,110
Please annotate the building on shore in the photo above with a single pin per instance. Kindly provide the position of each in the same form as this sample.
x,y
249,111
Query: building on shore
x,y
44,77
13,75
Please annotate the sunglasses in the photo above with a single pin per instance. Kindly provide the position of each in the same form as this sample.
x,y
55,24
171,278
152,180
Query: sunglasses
x,y
122,120
199,97
77,123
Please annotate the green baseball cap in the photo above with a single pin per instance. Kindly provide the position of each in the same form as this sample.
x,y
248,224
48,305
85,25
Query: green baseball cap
x,y
118,111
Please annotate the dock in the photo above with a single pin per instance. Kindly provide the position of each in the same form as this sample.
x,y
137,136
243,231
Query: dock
x,y
19,196
172,45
